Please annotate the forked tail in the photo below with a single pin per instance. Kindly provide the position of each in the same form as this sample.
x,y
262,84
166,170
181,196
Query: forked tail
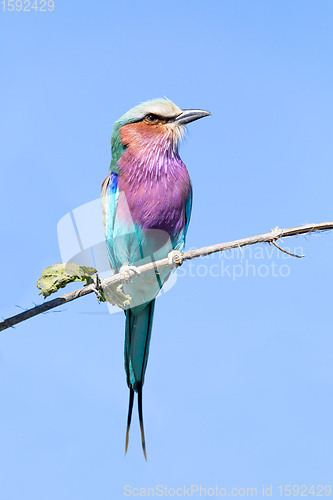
x,y
137,338
129,418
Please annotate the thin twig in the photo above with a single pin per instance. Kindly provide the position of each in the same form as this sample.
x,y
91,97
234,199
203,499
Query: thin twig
x,y
160,264
285,251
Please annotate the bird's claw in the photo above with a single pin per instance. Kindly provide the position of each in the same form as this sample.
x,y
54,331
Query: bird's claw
x,y
175,259
127,272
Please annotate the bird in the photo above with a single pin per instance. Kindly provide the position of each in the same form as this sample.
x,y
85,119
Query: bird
x,y
146,206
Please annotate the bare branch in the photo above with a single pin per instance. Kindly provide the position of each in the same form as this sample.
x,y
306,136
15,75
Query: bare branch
x,y
270,237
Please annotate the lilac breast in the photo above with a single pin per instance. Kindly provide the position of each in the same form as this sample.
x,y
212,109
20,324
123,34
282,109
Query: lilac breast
x,y
157,190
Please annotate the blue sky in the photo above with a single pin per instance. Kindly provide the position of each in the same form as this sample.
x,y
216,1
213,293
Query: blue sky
x,y
239,384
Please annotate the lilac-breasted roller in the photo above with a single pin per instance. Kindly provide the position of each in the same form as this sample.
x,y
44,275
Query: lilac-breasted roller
x,y
146,201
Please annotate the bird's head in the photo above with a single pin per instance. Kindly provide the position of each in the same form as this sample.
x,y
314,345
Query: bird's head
x,y
158,123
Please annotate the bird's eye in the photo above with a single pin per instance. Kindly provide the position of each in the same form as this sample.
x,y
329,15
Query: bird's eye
x,y
151,118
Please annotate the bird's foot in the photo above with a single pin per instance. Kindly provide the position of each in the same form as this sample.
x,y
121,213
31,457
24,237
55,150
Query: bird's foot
x,y
175,258
127,272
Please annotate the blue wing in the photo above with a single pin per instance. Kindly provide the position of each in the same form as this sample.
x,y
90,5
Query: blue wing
x,y
110,196
188,210
124,240
178,243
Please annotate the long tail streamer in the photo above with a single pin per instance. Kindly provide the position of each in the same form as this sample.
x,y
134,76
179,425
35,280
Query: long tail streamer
x,y
129,417
143,441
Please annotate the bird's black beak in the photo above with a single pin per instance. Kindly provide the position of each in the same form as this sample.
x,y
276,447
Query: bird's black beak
x,y
189,115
